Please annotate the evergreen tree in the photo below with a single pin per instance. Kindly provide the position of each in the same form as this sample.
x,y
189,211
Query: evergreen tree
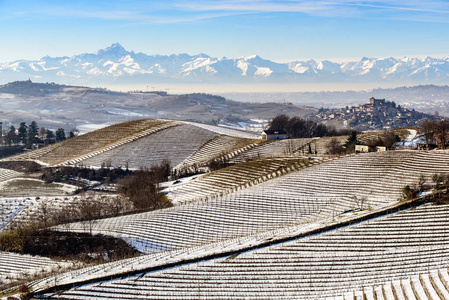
x,y
60,134
352,141
23,133
32,133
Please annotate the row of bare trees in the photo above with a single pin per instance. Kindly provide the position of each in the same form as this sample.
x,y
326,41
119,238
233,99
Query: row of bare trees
x,y
297,127
84,208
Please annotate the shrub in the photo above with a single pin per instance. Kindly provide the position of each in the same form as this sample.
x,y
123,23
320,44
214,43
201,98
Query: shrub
x,y
408,192
24,291
142,187
334,147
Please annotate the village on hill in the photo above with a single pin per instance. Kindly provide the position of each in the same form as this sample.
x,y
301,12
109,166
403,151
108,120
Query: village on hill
x,y
170,209
378,114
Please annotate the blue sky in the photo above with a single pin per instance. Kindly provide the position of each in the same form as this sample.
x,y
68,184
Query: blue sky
x,y
277,30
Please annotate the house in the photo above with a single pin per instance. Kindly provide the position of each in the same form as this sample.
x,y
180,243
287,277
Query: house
x,y
363,149
274,134
366,148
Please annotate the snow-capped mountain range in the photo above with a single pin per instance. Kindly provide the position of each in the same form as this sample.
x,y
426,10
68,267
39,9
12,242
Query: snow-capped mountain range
x,y
114,64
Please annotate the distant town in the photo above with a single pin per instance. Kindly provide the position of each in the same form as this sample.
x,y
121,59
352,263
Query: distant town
x,y
375,115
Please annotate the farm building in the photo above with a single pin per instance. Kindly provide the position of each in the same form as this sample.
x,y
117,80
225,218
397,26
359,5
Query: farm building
x,y
366,148
274,134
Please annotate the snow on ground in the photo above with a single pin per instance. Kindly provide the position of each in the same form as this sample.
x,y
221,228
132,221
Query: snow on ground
x,y
163,258
85,128
224,130
6,96
14,266
412,140
412,134
170,186
124,112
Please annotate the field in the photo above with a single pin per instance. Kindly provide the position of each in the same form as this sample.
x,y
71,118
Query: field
x,y
274,222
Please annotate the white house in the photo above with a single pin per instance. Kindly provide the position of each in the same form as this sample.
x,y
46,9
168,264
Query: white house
x,y
274,134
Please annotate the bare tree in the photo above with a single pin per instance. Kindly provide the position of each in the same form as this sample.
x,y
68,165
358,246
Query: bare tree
x,y
334,147
422,182
428,129
442,129
389,138
359,201
90,210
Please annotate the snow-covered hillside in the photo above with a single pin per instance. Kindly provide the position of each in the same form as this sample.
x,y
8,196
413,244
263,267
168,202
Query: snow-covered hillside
x,y
116,64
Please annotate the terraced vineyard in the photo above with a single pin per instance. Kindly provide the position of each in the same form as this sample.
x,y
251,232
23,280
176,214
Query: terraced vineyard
x,y
9,208
6,175
173,144
16,266
32,187
219,146
276,225
26,210
314,193
143,143
99,140
398,249
234,178
275,148
431,285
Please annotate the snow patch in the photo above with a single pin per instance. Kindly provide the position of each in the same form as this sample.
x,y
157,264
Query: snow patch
x,y
263,71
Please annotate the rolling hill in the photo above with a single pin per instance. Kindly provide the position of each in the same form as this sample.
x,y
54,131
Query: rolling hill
x,y
278,223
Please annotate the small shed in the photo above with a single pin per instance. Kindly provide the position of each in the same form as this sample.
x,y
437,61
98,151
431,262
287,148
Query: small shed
x,y
274,134
363,148
366,148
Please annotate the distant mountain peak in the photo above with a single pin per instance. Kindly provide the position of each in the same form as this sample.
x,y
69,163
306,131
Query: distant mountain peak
x,y
114,49
115,63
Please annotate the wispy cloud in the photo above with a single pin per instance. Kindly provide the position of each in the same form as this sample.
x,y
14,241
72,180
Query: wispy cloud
x,y
429,10
308,5
137,12
184,11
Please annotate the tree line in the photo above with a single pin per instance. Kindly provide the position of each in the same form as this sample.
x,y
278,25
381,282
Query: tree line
x,y
31,134
297,127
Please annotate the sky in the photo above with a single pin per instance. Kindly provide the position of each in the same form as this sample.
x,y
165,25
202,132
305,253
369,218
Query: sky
x,y
277,30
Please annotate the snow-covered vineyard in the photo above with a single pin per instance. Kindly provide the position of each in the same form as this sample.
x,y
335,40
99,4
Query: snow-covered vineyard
x,y
182,145
314,193
400,254
233,178
21,211
281,223
6,174
15,266
274,149
143,143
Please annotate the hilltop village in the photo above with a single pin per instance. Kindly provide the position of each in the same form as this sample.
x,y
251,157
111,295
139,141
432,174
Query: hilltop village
x,y
375,115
